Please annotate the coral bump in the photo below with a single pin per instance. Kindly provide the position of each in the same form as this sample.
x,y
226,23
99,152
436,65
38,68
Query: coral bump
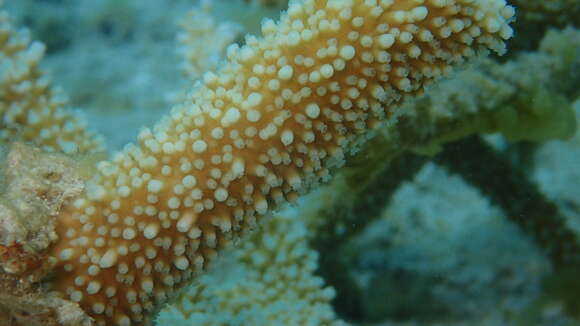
x,y
281,112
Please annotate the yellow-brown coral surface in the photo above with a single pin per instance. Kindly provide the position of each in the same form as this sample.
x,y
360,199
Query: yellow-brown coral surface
x,y
266,127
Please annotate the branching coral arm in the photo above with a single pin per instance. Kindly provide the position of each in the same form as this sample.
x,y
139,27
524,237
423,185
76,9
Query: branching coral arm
x,y
266,127
30,109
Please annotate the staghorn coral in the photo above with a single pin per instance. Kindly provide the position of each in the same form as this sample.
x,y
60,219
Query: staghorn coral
x,y
202,41
492,97
30,109
394,174
140,39
268,280
488,97
466,96
251,136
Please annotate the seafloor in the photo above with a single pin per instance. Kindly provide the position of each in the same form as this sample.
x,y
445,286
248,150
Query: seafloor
x,y
405,234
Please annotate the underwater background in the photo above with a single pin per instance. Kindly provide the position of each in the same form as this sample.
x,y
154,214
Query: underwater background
x,y
464,214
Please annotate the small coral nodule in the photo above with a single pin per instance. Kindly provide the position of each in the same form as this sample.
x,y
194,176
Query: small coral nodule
x,y
267,127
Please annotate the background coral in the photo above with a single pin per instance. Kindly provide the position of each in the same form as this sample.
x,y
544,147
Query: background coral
x,y
357,195
203,41
29,108
537,17
269,279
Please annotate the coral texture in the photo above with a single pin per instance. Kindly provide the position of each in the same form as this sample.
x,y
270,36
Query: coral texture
x,y
27,99
268,280
203,41
268,126
492,97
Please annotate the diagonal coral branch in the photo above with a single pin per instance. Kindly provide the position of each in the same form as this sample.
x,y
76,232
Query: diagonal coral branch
x,y
268,126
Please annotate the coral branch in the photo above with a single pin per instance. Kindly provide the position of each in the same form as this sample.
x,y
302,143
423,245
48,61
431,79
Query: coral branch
x,y
203,41
242,287
510,189
30,109
267,127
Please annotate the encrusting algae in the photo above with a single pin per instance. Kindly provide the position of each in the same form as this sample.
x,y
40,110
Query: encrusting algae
x,y
268,126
